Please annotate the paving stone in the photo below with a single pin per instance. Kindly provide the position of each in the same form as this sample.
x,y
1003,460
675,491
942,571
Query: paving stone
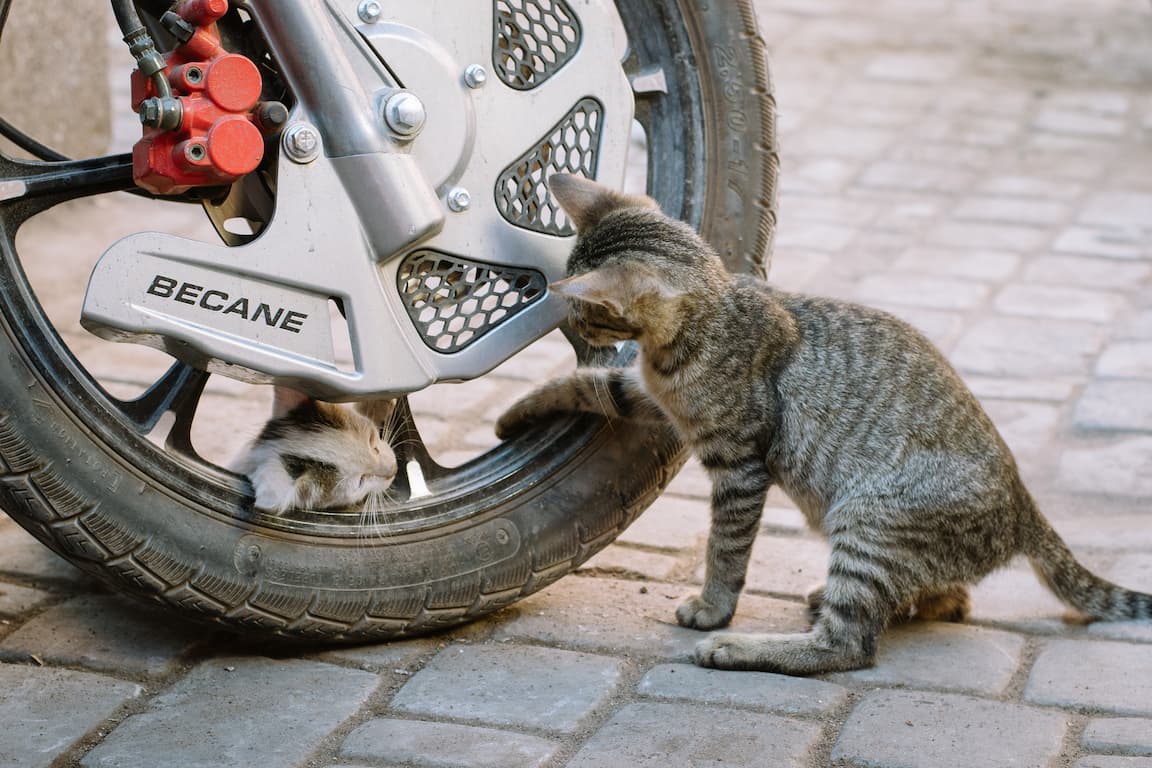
x,y
1052,388
968,263
106,633
507,685
1112,677
630,619
1126,358
1087,271
757,690
238,712
1137,327
1124,405
1112,243
1122,735
1106,761
16,600
1122,468
794,270
783,519
841,141
672,522
620,561
1059,302
1079,123
1031,186
1026,347
914,67
816,236
1027,427
929,730
1012,210
47,710
979,660
1121,531
656,735
1013,598
1118,209
915,177
1133,570
691,481
445,745
387,657
1000,237
921,291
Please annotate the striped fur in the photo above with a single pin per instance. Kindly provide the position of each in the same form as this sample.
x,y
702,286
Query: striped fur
x,y
850,411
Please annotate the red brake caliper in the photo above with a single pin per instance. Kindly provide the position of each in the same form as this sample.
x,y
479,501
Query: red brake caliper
x,y
207,133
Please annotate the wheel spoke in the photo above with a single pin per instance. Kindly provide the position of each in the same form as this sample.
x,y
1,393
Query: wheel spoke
x,y
42,185
410,449
171,392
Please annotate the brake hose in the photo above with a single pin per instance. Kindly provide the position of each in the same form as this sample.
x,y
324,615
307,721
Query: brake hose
x,y
150,63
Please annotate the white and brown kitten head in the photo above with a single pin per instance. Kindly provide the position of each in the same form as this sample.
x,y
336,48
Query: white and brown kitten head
x,y
317,455
634,272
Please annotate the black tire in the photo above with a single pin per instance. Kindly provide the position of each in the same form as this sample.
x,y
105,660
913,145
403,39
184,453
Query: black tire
x,y
76,471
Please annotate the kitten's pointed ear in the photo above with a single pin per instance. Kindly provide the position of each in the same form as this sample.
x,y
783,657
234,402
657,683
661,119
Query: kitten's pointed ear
x,y
587,202
285,400
379,411
600,286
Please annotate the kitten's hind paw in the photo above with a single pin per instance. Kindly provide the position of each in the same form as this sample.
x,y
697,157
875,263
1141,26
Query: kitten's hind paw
x,y
698,613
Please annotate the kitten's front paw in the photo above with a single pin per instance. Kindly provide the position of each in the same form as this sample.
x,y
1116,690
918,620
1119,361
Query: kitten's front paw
x,y
518,418
697,613
729,650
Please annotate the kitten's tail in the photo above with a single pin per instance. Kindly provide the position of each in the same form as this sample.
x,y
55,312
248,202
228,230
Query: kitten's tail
x,y
1076,585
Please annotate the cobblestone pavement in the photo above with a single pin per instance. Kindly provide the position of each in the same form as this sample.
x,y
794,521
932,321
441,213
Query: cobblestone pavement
x,y
980,168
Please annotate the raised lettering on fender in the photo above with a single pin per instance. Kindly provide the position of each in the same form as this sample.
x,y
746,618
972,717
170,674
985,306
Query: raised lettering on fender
x,y
215,300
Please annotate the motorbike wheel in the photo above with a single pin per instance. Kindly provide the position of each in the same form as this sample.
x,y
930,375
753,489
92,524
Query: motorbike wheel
x,y
78,470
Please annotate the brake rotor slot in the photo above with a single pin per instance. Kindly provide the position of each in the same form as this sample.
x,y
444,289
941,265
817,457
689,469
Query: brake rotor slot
x,y
571,146
533,40
454,301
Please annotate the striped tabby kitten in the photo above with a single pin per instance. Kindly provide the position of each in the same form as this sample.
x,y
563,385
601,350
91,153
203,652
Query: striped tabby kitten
x,y
316,455
852,412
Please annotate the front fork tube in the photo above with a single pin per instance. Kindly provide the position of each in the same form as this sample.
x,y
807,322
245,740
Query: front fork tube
x,y
397,206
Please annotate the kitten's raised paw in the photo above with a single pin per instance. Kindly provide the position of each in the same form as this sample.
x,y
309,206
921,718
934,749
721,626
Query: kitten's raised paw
x,y
518,418
698,613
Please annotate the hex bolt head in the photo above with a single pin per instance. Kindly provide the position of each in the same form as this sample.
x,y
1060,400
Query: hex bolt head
x,y
302,143
459,199
404,113
195,152
369,11
475,76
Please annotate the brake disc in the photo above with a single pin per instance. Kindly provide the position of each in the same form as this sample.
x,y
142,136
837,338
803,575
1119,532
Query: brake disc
x,y
425,250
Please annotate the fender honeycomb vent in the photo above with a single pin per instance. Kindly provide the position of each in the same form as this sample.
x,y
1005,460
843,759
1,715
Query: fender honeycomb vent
x,y
533,40
454,301
572,146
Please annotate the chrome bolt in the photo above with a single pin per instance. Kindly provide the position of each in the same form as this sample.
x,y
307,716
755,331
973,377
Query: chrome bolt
x,y
302,143
459,199
475,76
404,113
369,11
